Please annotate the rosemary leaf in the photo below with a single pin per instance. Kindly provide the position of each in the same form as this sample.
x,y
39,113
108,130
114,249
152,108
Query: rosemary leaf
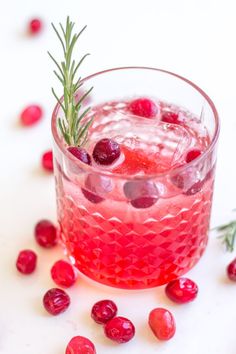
x,y
72,128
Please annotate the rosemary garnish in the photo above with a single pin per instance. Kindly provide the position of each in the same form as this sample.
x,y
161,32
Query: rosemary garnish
x,y
73,127
228,235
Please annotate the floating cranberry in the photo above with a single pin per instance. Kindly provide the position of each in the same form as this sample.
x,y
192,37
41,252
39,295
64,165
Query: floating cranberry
x,y
106,151
192,155
80,345
195,188
231,270
119,329
47,161
170,117
56,301
182,290
103,311
35,26
63,273
162,323
31,115
95,187
143,107
26,261
81,154
141,194
188,181
45,234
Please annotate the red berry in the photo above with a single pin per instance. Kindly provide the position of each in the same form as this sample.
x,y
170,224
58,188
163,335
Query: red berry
x,y
188,180
45,233
143,107
63,273
141,194
95,187
35,26
26,261
182,290
170,117
231,270
56,301
80,345
119,329
103,311
192,155
47,161
162,323
31,115
195,188
80,154
106,151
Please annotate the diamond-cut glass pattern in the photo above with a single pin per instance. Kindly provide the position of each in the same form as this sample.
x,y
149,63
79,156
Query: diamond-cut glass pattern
x,y
131,248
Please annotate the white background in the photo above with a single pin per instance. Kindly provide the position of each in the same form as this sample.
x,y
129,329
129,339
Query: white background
x,y
195,39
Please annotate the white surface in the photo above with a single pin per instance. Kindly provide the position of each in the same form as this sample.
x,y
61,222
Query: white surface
x,y
193,38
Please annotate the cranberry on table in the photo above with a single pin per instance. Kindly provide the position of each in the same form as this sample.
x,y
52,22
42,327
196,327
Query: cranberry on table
x,y
26,261
141,194
231,270
81,154
45,234
192,155
162,323
47,161
143,107
63,273
182,290
31,115
103,311
80,345
106,151
170,117
35,26
56,301
119,329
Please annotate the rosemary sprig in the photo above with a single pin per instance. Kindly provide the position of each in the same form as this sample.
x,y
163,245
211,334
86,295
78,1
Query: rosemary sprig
x,y
228,234
73,127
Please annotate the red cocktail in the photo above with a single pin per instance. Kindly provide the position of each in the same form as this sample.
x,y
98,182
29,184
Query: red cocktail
x,y
143,220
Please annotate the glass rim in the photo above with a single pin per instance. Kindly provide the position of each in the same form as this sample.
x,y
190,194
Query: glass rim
x,y
175,170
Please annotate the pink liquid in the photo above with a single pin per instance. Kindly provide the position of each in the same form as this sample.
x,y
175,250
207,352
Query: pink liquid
x,y
117,244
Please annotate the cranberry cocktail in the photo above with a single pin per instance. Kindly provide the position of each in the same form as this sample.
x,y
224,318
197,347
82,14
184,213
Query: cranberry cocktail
x,y
134,206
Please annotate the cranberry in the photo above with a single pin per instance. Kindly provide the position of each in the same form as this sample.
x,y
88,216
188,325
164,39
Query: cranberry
x,y
31,115
95,187
45,233
26,261
192,155
47,160
143,107
35,26
80,345
170,117
162,323
56,301
195,188
188,181
231,270
106,151
103,311
182,290
63,273
80,153
141,194
119,329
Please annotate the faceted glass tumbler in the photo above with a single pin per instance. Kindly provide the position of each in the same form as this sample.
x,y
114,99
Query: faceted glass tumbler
x,y
108,239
